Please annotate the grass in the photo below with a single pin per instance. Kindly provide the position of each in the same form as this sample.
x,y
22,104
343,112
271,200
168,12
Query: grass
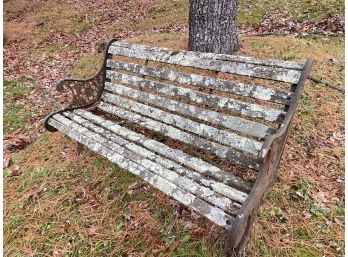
x,y
49,52
167,14
16,112
86,66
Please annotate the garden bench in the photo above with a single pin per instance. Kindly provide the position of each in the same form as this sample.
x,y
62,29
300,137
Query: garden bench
x,y
172,117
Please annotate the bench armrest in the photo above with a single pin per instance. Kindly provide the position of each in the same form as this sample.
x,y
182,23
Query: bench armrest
x,y
271,152
85,93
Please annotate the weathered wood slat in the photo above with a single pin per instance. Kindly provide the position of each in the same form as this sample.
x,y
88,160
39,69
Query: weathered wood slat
x,y
235,58
243,89
235,123
224,137
211,212
198,165
247,109
275,70
183,182
215,148
217,187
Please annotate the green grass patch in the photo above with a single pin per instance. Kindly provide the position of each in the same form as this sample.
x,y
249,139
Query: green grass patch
x,y
302,233
262,249
14,222
165,15
339,210
16,111
80,24
306,252
14,90
279,197
50,51
87,65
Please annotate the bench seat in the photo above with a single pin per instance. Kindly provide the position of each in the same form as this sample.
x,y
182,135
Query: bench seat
x,y
169,118
217,198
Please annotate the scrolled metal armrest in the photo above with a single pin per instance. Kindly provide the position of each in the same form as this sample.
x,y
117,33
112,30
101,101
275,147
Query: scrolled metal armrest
x,y
85,93
61,83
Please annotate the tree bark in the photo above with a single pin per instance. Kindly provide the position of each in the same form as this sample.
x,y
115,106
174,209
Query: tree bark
x,y
213,26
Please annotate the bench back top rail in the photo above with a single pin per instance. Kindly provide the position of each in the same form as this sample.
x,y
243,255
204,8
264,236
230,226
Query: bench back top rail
x,y
284,71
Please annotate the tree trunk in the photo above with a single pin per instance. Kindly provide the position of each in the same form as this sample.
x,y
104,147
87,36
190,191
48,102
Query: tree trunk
x,y
213,26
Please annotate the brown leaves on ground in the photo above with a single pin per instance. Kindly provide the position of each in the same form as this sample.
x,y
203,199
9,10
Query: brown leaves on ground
x,y
6,160
283,23
15,142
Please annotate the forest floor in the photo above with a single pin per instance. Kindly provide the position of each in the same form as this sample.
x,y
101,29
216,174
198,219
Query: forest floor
x,y
60,204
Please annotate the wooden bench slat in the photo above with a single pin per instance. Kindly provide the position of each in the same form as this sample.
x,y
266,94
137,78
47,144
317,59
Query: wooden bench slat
x,y
181,181
217,187
224,137
247,109
198,165
235,123
243,89
203,144
211,212
281,71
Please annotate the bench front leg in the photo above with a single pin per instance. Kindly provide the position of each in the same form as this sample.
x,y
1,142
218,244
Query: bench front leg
x,y
242,226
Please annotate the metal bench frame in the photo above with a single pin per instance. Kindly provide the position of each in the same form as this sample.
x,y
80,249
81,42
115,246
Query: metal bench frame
x,y
87,93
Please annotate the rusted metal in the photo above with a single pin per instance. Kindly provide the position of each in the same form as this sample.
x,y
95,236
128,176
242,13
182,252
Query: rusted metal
x,y
79,148
85,93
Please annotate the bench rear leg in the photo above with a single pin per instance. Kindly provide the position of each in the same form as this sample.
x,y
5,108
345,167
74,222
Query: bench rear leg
x,y
79,147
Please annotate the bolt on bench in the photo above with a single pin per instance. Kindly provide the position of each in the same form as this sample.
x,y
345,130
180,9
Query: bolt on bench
x,y
178,120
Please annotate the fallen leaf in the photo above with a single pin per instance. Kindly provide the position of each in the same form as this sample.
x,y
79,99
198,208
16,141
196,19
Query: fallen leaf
x,y
92,230
321,197
7,160
15,171
57,253
33,194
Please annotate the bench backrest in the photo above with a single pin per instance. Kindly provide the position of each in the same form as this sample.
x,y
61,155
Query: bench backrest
x,y
220,103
